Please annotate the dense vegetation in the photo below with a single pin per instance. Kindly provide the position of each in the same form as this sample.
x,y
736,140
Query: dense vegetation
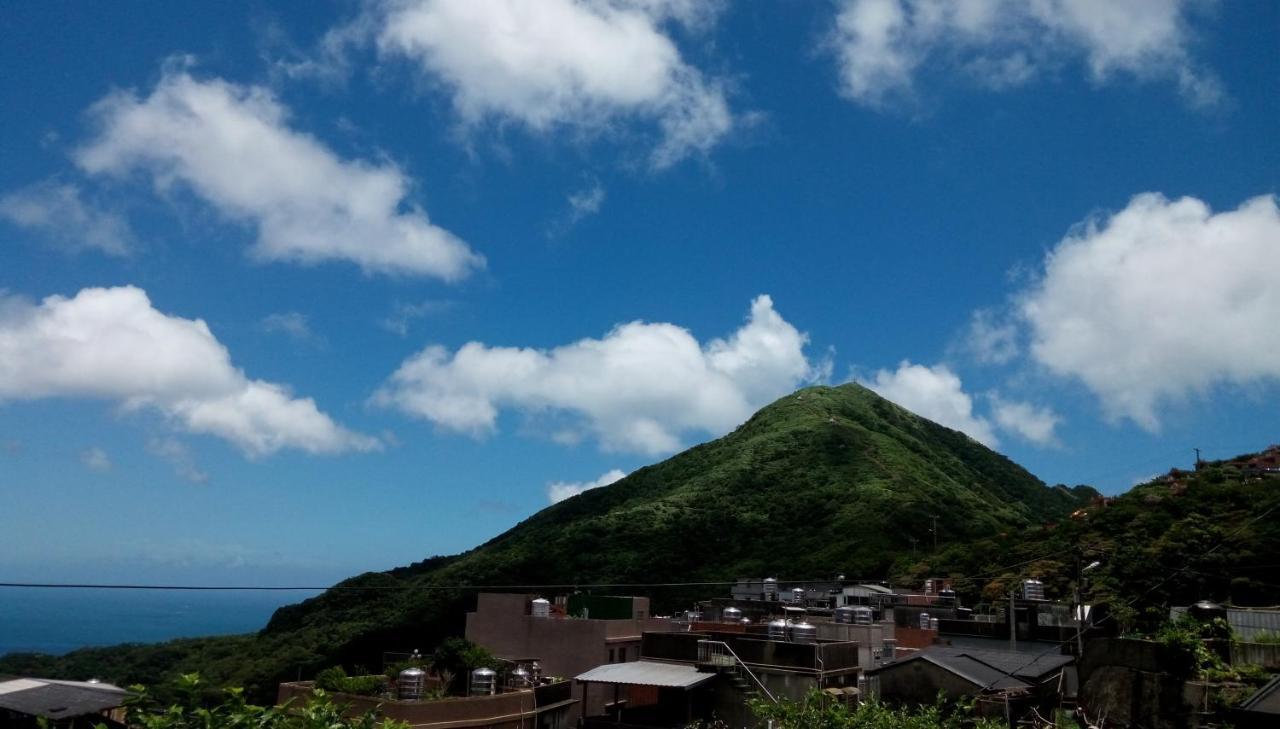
x,y
192,708
824,481
1209,534
818,711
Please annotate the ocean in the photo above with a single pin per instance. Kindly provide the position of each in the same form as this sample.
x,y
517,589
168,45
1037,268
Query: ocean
x,y
62,620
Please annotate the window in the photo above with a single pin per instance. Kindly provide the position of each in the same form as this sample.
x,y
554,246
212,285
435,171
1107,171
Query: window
x,y
622,654
611,655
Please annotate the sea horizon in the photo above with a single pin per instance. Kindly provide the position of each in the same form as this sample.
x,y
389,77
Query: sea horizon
x,y
60,621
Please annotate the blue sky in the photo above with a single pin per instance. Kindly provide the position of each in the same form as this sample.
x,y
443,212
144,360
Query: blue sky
x,y
291,291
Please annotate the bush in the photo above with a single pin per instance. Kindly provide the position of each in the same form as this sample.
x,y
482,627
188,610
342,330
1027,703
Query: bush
x,y
335,680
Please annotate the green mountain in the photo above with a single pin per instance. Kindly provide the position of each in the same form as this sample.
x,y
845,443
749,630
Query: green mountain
x,y
826,480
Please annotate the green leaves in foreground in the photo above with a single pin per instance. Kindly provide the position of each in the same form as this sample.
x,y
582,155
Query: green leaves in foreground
x,y
817,711
233,712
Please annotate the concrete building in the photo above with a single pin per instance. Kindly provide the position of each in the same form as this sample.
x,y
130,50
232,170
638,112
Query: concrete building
x,y
571,639
697,675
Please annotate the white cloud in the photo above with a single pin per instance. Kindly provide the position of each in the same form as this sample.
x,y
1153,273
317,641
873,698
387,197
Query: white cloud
x,y
935,393
291,324
561,490
991,340
563,63
1031,423
1160,301
60,212
232,146
882,45
179,456
639,388
95,459
112,344
586,201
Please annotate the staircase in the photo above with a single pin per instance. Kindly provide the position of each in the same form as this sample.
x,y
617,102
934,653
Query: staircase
x,y
720,657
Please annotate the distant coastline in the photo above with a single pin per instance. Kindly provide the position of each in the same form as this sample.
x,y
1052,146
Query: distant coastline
x,y
63,620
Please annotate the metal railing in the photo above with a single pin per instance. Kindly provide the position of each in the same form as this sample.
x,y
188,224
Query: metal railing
x,y
718,653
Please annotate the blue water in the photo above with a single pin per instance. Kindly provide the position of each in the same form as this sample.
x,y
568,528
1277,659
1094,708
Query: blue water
x,y
58,621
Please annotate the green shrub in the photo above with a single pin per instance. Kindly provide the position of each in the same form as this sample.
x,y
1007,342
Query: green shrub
x,y
335,680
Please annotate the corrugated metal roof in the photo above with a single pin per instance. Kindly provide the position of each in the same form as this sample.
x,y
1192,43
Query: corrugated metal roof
x,y
648,673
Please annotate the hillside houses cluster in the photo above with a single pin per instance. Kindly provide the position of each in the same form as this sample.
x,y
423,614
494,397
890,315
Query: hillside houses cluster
x,y
583,661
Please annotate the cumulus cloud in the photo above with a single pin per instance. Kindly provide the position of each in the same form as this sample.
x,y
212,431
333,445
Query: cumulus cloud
x,y
639,388
1034,424
95,459
60,213
882,45
232,146
562,63
561,490
112,344
935,393
1160,301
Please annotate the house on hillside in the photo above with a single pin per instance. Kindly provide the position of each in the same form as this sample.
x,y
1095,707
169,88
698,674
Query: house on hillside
x,y
567,636
1025,681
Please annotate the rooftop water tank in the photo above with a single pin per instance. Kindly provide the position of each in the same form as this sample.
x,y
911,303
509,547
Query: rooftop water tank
x,y
924,621
484,682
731,615
1032,590
862,615
804,632
933,623
770,589
778,629
844,614
797,595
409,684
521,678
541,608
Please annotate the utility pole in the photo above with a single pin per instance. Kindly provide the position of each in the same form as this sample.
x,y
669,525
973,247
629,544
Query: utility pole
x,y
1013,623
1079,608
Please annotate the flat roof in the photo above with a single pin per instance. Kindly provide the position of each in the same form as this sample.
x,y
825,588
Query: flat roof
x,y
647,673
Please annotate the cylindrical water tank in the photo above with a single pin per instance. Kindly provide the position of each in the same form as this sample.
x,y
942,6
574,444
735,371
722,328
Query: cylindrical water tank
x,y
483,682
770,589
844,614
862,615
797,595
778,629
409,684
541,608
804,632
731,615
924,621
521,678
933,623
